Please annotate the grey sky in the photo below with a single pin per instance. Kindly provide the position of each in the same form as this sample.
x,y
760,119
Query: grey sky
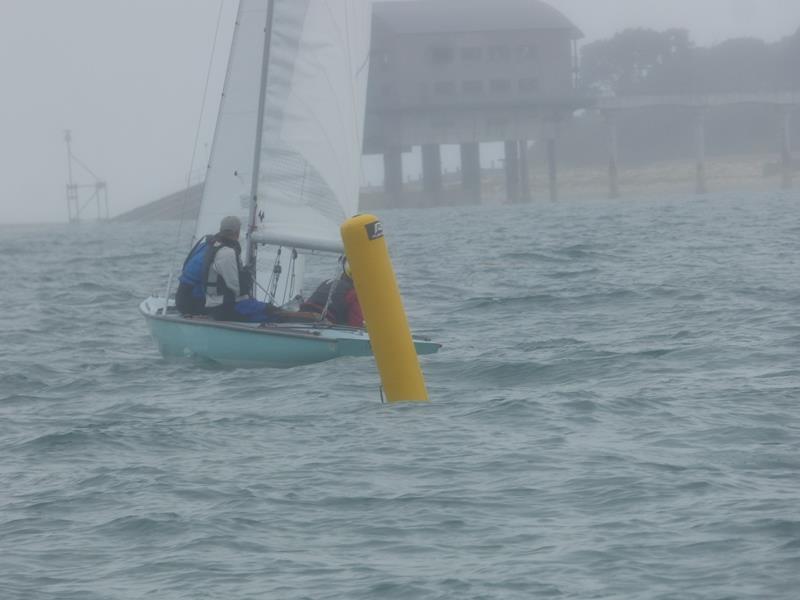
x,y
127,77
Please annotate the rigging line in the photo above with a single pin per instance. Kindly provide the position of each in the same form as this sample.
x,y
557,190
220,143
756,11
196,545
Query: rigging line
x,y
194,153
275,277
288,289
205,93
262,288
332,289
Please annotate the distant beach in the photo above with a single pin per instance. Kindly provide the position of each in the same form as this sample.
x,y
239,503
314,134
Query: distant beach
x,y
757,172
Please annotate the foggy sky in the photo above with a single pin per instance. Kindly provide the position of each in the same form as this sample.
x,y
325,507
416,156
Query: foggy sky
x,y
127,77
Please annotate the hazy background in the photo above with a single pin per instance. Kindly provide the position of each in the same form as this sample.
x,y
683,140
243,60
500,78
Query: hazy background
x,y
127,77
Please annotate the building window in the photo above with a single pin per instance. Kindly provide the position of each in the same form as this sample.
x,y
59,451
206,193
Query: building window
x,y
472,87
500,86
529,84
444,88
441,55
472,54
527,52
498,53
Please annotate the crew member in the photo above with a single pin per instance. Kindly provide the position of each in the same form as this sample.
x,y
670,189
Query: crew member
x,y
213,282
343,308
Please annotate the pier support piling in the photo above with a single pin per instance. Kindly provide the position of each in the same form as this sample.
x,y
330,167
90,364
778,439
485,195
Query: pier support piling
x,y
471,172
700,152
393,176
552,168
524,172
787,165
613,155
512,171
432,172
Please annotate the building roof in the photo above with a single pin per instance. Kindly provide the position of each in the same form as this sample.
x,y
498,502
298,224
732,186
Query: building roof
x,y
448,16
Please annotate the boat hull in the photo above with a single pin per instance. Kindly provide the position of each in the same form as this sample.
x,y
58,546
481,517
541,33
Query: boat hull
x,y
251,345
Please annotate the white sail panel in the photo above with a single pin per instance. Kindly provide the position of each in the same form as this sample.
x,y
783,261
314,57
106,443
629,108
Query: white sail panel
x,y
229,175
228,187
316,86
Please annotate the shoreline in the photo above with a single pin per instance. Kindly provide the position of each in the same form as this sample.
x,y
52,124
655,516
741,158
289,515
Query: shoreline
x,y
724,173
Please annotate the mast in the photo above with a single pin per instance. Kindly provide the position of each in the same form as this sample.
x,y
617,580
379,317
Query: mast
x,y
251,222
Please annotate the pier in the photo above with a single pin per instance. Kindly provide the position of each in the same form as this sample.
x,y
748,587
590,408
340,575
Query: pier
x,y
697,107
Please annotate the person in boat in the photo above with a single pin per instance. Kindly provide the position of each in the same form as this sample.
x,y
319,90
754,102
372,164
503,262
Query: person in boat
x,y
213,282
190,299
342,303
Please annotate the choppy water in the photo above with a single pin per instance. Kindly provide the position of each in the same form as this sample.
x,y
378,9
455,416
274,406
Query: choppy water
x,y
614,415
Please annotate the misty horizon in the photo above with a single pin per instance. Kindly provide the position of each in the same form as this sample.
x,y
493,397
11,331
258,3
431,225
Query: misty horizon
x,y
134,107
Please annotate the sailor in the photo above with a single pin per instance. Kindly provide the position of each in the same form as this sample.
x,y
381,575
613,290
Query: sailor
x,y
213,282
343,307
190,299
225,280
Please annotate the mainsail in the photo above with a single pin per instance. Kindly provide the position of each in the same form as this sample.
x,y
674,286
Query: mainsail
x,y
312,131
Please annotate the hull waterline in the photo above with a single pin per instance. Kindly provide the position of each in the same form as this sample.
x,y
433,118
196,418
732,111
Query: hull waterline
x,y
253,345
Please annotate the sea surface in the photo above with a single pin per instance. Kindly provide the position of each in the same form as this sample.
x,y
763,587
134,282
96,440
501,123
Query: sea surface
x,y
615,413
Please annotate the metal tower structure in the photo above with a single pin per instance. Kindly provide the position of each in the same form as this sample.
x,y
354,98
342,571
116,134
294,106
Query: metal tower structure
x,y
96,192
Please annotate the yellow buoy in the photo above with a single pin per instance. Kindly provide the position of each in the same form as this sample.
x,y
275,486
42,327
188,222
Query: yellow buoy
x,y
383,310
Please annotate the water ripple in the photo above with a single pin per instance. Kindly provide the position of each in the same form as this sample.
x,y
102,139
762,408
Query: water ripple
x,y
614,415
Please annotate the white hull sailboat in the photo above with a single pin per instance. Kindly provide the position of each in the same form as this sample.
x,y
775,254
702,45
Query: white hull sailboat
x,y
286,159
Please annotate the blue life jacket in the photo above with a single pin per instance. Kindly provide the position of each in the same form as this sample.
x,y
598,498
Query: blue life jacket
x,y
194,266
198,263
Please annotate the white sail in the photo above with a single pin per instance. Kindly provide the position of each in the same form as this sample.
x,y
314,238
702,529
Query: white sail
x,y
229,173
313,124
228,185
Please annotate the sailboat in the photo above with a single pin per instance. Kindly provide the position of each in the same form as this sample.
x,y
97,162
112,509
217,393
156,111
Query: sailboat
x,y
286,159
